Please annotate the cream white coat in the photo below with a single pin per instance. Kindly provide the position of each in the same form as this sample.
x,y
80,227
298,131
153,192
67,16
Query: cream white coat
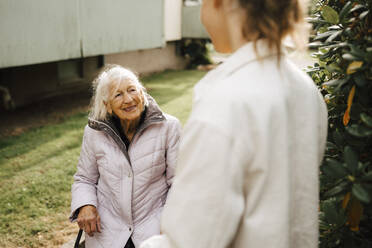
x,y
247,172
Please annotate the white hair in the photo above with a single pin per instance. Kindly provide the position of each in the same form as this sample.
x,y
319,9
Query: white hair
x,y
101,89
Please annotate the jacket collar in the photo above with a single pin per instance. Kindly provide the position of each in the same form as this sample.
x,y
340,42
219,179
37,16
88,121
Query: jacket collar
x,y
240,58
153,114
246,54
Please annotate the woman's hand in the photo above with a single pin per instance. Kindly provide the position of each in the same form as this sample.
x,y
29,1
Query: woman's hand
x,y
89,220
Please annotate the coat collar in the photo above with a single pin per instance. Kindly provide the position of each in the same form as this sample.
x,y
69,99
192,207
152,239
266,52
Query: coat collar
x,y
153,114
240,58
246,54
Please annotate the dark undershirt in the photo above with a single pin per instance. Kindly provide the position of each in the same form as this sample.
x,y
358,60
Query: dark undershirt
x,y
117,124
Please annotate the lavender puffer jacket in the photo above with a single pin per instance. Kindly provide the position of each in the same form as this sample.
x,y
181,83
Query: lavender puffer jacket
x,y
128,188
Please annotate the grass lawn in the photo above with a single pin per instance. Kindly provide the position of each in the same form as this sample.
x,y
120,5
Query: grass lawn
x,y
36,168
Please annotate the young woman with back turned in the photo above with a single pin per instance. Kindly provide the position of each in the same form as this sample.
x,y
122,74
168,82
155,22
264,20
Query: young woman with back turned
x,y
247,172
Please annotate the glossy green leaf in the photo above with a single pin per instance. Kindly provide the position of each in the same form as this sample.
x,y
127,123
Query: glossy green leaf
x,y
323,29
336,45
342,187
363,14
336,82
330,15
357,7
348,32
337,137
351,159
345,10
330,212
334,191
333,36
356,142
335,27
315,45
356,51
325,56
324,35
331,146
366,119
361,166
360,193
333,67
359,79
337,168
368,56
349,56
316,20
327,172
368,176
351,20
359,131
356,110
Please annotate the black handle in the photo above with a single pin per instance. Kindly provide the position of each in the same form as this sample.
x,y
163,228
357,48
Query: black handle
x,y
78,238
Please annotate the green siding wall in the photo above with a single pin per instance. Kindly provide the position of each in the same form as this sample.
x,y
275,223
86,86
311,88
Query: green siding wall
x,y
40,31
113,26
191,24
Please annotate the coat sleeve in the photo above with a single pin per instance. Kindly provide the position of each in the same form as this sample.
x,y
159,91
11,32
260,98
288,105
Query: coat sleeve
x,y
85,179
206,204
323,127
172,150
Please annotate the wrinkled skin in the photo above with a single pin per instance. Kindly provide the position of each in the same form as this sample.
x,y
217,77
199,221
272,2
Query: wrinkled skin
x,y
89,220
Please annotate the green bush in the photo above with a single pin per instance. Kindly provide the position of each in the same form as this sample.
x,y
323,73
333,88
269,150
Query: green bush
x,y
196,51
343,37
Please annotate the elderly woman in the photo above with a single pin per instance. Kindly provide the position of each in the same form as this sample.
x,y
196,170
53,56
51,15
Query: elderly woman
x,y
126,164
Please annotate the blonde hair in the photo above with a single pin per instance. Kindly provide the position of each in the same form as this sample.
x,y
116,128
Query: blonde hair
x,y
273,20
101,89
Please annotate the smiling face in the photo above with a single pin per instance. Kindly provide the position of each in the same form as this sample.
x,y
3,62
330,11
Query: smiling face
x,y
126,100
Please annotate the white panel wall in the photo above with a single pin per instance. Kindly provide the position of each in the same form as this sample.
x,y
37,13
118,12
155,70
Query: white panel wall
x,y
172,19
35,31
